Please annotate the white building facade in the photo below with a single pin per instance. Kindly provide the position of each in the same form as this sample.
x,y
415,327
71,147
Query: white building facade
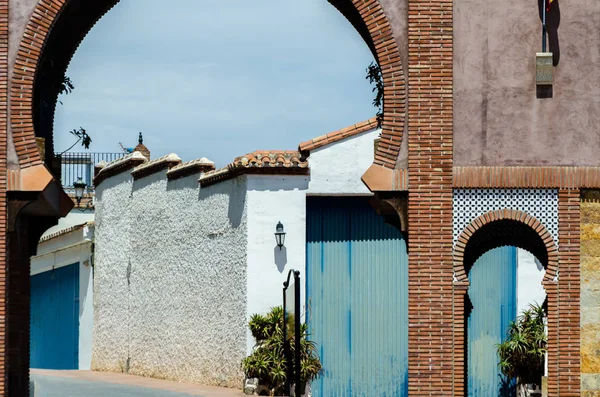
x,y
186,254
62,295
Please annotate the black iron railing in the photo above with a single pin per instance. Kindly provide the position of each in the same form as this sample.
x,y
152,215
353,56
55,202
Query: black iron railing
x,y
81,165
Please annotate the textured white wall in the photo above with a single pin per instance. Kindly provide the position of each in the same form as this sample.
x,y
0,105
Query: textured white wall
x,y
273,199
186,296
111,337
336,169
68,249
530,274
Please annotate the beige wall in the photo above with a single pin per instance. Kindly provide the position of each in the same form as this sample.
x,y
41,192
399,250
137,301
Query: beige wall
x,y
590,298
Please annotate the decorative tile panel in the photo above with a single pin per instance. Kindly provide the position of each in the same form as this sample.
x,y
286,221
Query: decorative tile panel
x,y
468,204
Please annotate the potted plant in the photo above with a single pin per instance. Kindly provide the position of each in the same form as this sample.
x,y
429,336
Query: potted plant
x,y
522,354
267,361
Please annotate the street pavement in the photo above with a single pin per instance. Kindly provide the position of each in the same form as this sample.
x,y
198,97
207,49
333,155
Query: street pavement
x,y
100,384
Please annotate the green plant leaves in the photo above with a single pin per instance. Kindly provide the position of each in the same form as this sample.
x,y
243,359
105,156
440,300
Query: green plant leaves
x,y
522,354
267,361
375,77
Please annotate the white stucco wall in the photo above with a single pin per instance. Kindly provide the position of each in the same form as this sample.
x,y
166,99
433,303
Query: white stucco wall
x,y
530,274
185,302
336,169
86,304
201,261
68,249
111,337
273,199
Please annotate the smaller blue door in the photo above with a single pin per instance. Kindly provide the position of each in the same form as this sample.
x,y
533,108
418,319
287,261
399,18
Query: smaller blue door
x,y
55,319
493,298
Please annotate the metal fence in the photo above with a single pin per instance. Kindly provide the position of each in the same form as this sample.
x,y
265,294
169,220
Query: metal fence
x,y
81,165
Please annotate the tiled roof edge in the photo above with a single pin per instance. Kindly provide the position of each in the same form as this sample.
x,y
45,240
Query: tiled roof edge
x,y
156,165
118,166
274,162
190,168
65,231
338,135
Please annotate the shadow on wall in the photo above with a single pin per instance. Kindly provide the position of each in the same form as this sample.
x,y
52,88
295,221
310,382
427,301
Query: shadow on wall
x,y
274,183
280,255
552,24
235,190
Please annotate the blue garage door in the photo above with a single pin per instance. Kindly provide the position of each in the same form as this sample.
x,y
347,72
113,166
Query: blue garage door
x,y
357,294
493,296
55,319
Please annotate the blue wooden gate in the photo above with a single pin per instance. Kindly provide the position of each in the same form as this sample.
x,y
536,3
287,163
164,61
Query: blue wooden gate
x,y
493,296
55,319
357,298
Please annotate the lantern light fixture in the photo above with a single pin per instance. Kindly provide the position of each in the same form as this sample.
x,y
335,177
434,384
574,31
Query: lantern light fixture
x,y
79,186
279,235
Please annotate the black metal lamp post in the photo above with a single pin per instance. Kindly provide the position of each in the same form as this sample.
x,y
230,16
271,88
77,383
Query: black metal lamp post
x,y
293,363
279,235
79,186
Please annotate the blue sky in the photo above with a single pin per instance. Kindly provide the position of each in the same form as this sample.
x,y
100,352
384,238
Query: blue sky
x,y
216,78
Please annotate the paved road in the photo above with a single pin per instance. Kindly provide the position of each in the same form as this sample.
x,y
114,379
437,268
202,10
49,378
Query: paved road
x,y
48,386
101,384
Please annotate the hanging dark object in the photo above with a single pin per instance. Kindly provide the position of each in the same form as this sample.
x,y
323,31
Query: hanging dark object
x,y
548,59
549,11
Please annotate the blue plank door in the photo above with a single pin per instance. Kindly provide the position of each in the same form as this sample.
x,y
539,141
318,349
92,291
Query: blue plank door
x,y
357,299
493,296
55,319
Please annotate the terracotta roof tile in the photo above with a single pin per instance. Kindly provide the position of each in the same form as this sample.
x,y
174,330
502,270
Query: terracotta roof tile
x,y
338,135
260,162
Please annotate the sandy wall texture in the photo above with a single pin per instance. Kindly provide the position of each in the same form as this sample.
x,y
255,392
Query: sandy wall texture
x,y
590,299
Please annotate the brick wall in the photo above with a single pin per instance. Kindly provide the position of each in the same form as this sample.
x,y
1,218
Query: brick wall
x,y
430,334
568,294
3,184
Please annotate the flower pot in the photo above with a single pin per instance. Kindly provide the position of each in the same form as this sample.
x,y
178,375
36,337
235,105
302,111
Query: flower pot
x,y
529,390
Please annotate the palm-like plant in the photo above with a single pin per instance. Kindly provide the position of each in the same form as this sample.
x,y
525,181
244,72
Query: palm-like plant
x,y
522,353
267,361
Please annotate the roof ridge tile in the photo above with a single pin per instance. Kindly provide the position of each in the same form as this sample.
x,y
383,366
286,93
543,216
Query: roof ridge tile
x,y
338,135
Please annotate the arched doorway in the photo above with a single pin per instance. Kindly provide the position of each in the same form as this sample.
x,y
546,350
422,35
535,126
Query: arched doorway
x,y
48,41
487,265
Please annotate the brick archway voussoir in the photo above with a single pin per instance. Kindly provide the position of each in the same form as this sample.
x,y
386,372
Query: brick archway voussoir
x,y
460,274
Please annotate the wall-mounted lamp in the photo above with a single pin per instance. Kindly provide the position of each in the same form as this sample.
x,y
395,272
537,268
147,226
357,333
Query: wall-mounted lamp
x,y
279,235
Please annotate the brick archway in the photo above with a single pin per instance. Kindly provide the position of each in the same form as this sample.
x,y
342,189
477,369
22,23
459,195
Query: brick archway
x,y
53,33
367,16
537,240
509,216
